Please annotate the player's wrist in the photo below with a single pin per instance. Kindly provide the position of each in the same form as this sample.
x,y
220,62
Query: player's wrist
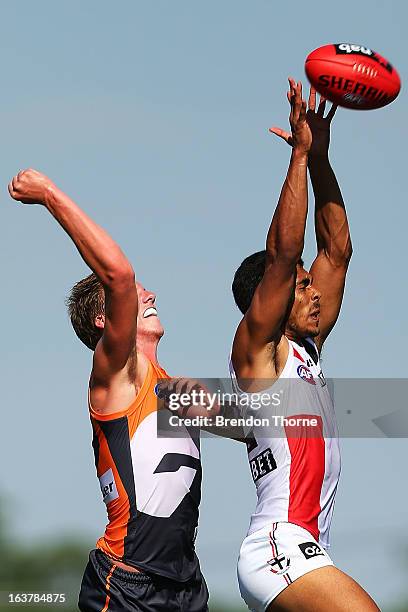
x,y
299,154
50,196
318,160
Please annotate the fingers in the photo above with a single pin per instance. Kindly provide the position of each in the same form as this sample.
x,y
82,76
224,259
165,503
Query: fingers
x,y
166,388
332,112
322,106
303,109
291,97
286,136
183,394
300,131
15,180
294,101
297,101
176,386
312,99
173,385
11,189
292,88
13,186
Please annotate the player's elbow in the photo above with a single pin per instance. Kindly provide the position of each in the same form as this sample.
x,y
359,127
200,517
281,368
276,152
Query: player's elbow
x,y
288,254
340,256
346,252
285,243
120,276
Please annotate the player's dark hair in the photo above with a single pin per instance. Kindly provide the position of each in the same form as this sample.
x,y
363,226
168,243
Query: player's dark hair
x,y
85,302
247,278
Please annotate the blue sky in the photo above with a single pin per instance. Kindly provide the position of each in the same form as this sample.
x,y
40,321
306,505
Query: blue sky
x,y
154,117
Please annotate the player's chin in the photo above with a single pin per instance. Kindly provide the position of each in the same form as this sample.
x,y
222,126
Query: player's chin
x,y
160,330
157,328
152,325
312,330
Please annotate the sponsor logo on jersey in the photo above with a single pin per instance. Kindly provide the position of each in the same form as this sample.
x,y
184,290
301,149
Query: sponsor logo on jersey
x,y
262,464
305,374
279,564
310,550
108,486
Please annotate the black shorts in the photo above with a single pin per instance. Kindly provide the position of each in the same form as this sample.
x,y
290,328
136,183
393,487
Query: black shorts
x,y
104,590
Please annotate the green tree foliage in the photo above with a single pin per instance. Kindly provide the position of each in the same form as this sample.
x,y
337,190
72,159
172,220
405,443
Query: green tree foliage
x,y
52,566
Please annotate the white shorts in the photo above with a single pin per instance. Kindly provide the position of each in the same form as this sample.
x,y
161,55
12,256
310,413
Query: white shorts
x,y
272,558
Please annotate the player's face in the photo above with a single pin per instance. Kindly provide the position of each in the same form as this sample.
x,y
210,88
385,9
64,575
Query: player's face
x,y
304,318
148,322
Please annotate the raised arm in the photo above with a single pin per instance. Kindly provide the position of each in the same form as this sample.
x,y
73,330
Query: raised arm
x,y
332,230
261,329
105,259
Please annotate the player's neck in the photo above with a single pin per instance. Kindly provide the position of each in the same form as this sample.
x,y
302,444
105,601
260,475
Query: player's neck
x,y
292,336
148,346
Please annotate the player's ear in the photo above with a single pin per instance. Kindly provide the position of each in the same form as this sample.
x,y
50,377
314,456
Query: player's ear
x,y
100,321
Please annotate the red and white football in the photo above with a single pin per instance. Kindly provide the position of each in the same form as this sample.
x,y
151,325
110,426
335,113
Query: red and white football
x,y
353,76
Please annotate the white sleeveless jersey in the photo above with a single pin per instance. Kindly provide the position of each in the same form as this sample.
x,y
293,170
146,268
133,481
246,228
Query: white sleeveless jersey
x,y
295,471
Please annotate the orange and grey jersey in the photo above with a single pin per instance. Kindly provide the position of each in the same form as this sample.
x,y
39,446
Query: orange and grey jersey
x,y
151,487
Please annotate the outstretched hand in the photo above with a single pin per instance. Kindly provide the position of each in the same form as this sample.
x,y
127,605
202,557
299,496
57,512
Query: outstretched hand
x,y
300,137
319,125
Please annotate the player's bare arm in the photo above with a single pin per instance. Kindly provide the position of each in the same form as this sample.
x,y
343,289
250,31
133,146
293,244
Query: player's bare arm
x,y
334,248
190,398
112,386
260,348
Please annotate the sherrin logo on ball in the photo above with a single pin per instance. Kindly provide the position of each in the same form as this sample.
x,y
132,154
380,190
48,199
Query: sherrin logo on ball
x,y
353,76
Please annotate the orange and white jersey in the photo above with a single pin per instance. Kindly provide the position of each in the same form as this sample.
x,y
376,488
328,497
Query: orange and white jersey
x,y
151,487
295,468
